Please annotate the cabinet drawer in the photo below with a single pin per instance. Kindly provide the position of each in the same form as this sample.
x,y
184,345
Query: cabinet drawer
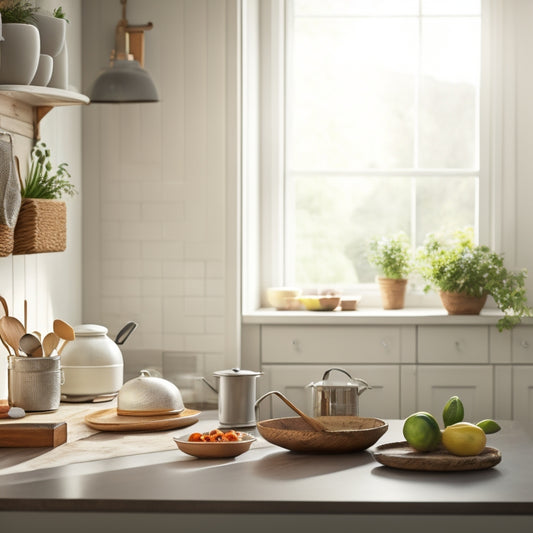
x,y
330,344
473,384
453,344
522,344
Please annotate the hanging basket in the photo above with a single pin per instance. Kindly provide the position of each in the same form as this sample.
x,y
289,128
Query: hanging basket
x,y
41,227
459,303
392,292
6,240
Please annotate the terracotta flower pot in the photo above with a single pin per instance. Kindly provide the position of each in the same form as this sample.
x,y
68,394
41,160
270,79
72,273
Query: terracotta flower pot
x,y
458,303
392,292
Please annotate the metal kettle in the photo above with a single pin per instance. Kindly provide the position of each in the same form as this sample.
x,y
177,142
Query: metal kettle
x,y
236,397
337,397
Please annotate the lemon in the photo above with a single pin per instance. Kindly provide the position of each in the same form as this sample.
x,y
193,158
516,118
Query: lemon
x,y
489,426
422,431
464,438
453,411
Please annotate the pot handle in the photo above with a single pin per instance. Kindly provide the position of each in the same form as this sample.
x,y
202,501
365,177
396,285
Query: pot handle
x,y
326,373
364,384
125,332
209,385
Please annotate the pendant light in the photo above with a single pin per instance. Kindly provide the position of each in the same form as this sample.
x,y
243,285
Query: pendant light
x,y
125,80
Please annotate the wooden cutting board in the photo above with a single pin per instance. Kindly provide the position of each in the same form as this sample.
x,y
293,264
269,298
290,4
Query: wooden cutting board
x,y
401,455
32,435
109,420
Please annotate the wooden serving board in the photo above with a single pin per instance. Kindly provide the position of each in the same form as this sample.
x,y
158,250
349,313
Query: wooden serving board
x,y
401,455
109,420
32,435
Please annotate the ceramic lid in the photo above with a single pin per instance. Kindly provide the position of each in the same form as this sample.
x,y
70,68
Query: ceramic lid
x,y
236,372
87,330
148,395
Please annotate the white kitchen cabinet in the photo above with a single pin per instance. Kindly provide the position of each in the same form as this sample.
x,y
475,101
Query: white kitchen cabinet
x,y
472,383
382,400
337,344
523,394
412,367
453,344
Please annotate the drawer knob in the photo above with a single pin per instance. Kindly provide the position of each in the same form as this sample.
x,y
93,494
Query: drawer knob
x,y
296,345
524,345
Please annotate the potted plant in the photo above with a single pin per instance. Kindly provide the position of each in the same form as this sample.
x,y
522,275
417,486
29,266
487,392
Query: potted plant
x,y
465,274
392,257
42,221
20,49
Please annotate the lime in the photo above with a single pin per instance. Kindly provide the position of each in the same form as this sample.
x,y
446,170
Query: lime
x,y
453,411
489,426
422,431
464,439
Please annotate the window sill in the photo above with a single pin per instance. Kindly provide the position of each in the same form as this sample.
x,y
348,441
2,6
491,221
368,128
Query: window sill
x,y
375,317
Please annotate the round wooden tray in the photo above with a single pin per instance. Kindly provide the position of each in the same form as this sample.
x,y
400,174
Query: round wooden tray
x,y
401,455
109,420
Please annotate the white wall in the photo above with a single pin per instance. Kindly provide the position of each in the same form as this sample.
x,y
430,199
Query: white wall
x,y
160,187
51,283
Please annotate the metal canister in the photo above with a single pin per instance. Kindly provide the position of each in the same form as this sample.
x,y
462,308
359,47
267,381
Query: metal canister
x,y
35,382
236,397
337,397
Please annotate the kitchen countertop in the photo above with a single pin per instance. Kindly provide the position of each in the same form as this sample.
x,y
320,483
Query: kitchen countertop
x,y
270,481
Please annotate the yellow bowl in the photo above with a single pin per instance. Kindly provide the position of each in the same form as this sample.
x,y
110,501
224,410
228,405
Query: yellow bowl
x,y
320,303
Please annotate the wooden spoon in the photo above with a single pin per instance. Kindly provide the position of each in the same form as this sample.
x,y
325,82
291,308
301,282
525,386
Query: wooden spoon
x,y
6,313
64,331
31,345
11,330
313,422
4,305
50,342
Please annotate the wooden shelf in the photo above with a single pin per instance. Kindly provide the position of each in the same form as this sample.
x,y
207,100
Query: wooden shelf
x,y
43,96
20,100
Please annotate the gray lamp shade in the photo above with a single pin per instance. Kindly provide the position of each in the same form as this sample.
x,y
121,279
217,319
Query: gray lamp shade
x,y
125,81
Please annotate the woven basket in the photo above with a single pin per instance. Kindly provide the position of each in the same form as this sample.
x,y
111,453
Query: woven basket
x,y
41,227
6,240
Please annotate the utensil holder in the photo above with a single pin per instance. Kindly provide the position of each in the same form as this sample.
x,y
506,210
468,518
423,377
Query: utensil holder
x,y
41,227
35,382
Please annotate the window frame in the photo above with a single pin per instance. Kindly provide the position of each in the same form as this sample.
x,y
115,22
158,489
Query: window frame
x,y
265,26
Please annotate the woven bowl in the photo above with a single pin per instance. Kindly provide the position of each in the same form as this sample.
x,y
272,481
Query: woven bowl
x,y
346,433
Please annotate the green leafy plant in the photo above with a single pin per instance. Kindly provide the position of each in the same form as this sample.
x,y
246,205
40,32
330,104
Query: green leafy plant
x,y
43,181
457,265
17,11
391,255
58,13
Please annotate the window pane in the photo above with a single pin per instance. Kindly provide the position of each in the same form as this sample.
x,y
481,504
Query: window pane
x,y
451,7
449,88
334,218
351,87
444,205
356,7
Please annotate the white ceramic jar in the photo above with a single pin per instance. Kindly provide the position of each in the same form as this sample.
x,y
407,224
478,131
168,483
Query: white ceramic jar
x,y
92,364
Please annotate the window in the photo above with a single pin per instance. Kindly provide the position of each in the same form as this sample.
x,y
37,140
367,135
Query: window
x,y
373,113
